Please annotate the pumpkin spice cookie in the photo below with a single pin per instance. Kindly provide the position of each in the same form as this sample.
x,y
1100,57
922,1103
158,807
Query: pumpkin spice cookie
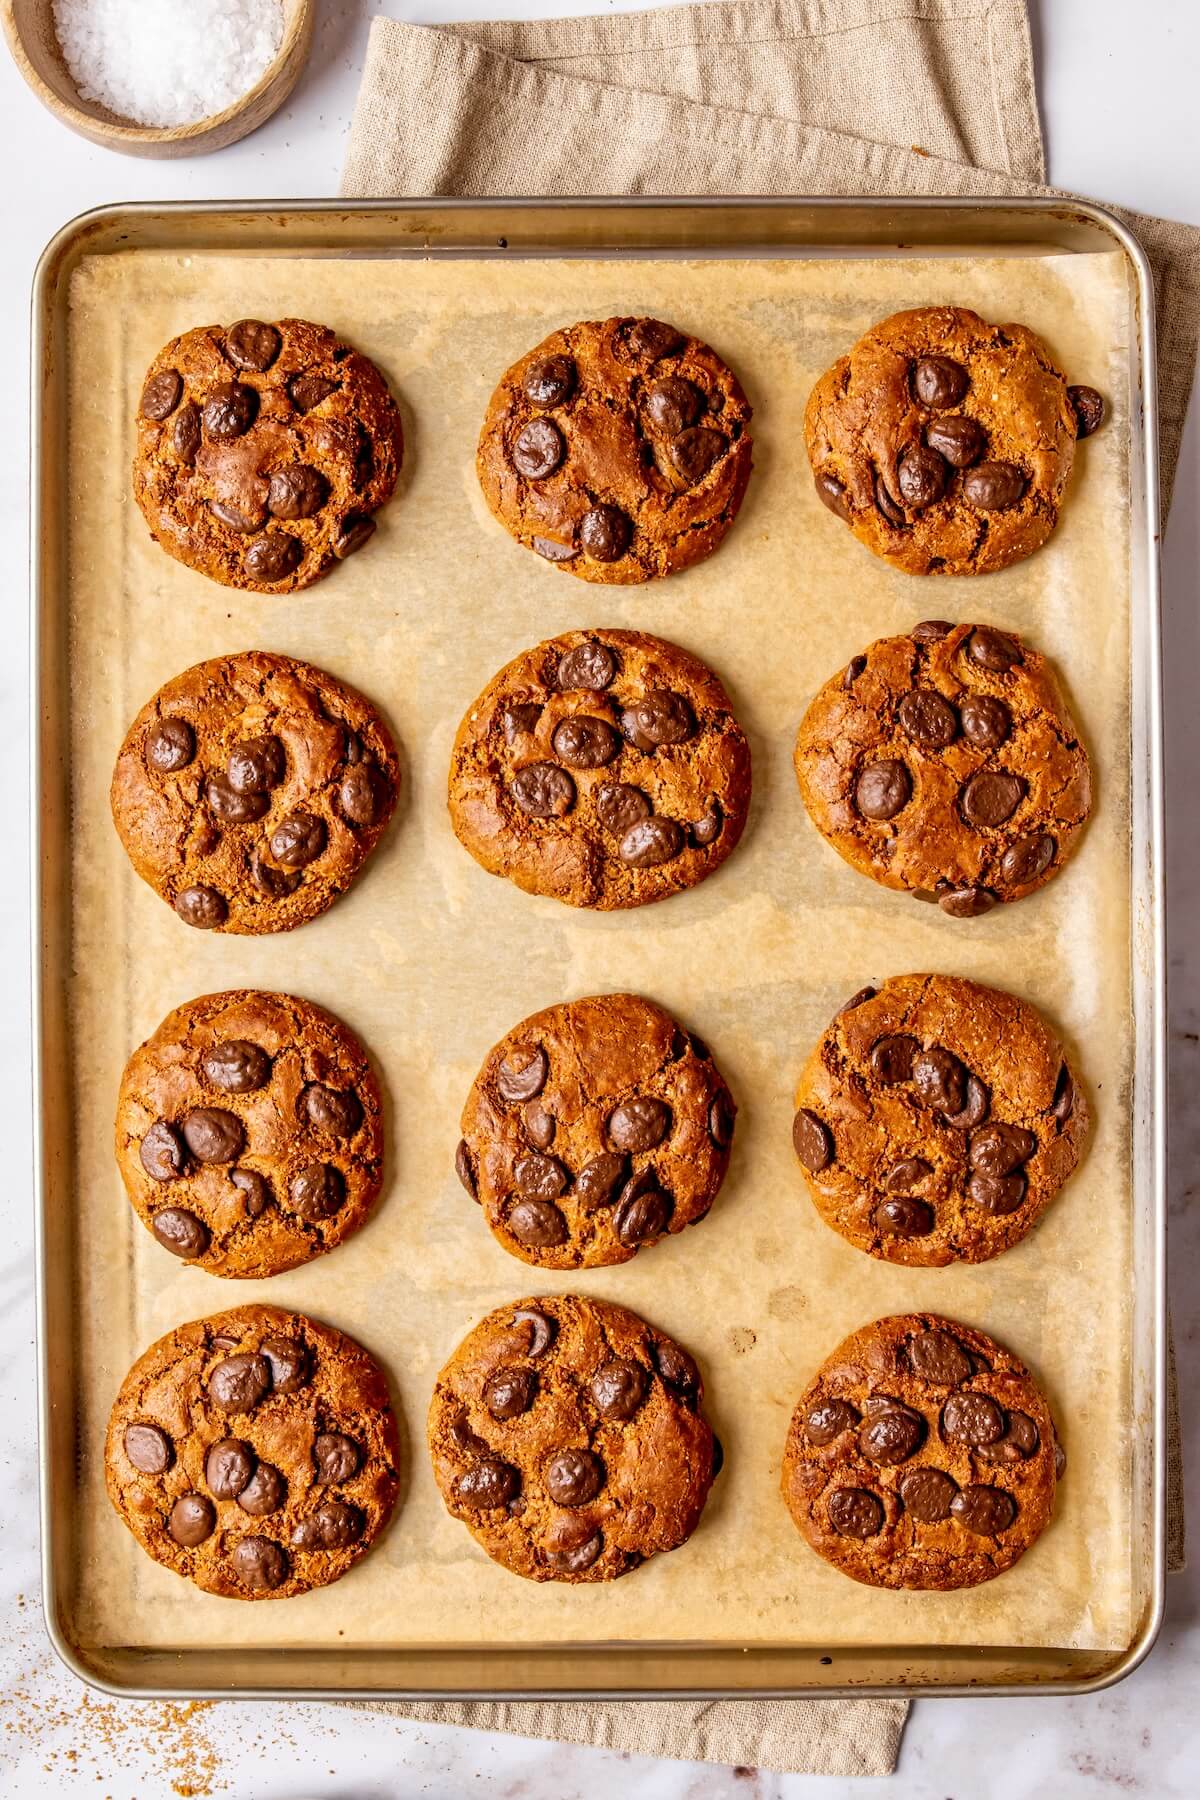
x,y
945,443
251,789
947,763
263,450
617,450
593,1129
936,1119
250,1132
567,1436
603,768
254,1452
923,1455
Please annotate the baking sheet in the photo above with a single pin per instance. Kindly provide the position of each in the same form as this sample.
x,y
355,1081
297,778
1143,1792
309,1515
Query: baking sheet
x,y
431,960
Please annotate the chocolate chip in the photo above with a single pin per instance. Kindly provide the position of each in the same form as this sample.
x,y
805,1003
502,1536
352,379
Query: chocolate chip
x,y
230,411
999,1149
161,395
240,1382
892,512
236,1065
256,765
259,1563
695,451
1020,1441
539,1177
833,495
939,382
990,797
235,519
180,1232
826,1420
931,631
672,404
618,1389
1088,406
859,998
598,1180
855,1513
986,721
213,1135
675,1367
361,794
1064,1096
288,1362
296,492
1028,859
463,1168
940,1079
162,1153
639,1124
997,1195
720,1120
275,883
464,1439
584,742
256,1188
185,433
488,1484
542,1329
972,1418
907,1174
588,665
975,1108
619,806
273,557
1060,1459
812,1141
298,840
965,902
892,1058
993,486
537,450
509,1392
882,790
920,477
573,1477
928,1494
543,790
554,551
538,1224
519,721
228,1467
604,533
317,1191
654,338
643,1212
148,1448
936,1356
337,1110
659,717
577,1557
928,719
352,535
308,391
522,1074
264,1493
993,650
904,1217
549,380
192,1519
540,1125
170,745
337,1458
232,808
957,438
202,907
891,1434
650,842
333,1526
854,669
985,1511
252,345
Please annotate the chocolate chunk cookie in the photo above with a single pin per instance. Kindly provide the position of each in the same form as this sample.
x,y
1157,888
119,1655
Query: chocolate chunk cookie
x,y
946,763
592,1130
250,1132
604,768
254,1452
567,1436
923,1455
617,450
936,1120
250,790
263,450
945,443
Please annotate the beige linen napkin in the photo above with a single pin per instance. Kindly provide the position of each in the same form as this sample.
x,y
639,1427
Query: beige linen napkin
x,y
838,97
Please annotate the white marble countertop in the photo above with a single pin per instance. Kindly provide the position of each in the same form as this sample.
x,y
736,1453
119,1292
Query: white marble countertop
x,y
1118,89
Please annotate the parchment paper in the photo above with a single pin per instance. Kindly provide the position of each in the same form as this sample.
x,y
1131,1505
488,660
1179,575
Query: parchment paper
x,y
431,960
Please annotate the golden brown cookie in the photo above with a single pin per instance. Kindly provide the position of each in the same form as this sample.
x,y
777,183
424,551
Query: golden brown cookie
x,y
263,451
592,1129
254,1452
936,1119
251,789
923,1455
567,1436
617,450
250,1132
945,443
604,768
947,763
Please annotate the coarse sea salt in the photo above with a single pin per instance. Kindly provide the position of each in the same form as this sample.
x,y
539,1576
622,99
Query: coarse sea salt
x,y
167,62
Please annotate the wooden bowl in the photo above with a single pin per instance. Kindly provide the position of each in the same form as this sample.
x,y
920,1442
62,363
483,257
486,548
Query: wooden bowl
x,y
29,28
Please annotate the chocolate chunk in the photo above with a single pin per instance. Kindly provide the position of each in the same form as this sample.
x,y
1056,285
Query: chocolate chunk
x,y
920,477
185,433
604,533
936,1356
939,382
543,790
675,1367
489,1483
672,404
542,1329
659,717
720,1120
990,797
999,1149
854,1512
854,669
826,1420
193,1518
997,1195
972,1419
256,765
256,1188
1020,1441
296,492
985,1511
202,907
537,450
275,883
239,1382
333,1526
892,1058
907,1174
598,1180
882,790
308,391
540,1125
149,1449
298,840
170,745
588,665
252,345
957,438
522,1074
230,410
1088,406
228,1467
161,395
695,451
520,721
264,1493
288,1362
337,1110
618,1389
892,511
927,1494
273,557
812,1141
509,1392
1064,1096
577,1557
966,902
213,1135
643,1212
259,1563
986,721
650,842
352,535
654,338
180,1232
619,807
162,1153
573,1477
904,1217
931,631
539,1177
833,495
584,742
639,1124
233,518
549,380
928,719
317,1191
538,1224
236,1065
231,808
1028,859
463,1168
940,1079
891,1434
993,486
337,1458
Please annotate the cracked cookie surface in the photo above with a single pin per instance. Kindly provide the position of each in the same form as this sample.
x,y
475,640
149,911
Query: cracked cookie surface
x,y
254,1452
602,768
566,1435
251,789
947,763
618,450
945,442
263,450
936,1119
592,1130
249,1132
922,1455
